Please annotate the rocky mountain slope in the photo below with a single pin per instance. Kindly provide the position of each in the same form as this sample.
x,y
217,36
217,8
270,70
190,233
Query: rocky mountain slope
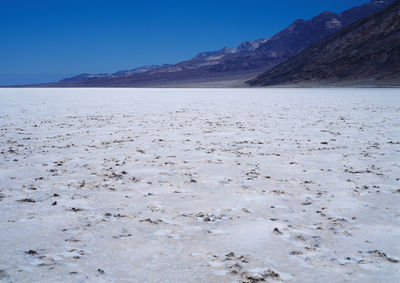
x,y
244,62
366,52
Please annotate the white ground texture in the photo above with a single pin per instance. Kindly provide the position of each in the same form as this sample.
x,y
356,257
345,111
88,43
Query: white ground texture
x,y
192,185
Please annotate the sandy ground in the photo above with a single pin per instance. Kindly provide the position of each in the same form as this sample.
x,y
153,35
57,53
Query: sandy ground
x,y
245,185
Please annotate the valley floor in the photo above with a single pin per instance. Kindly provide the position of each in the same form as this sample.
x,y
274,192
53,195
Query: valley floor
x,y
199,185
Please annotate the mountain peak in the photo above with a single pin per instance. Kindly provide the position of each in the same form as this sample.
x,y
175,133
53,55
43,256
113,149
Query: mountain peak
x,y
327,13
250,46
212,55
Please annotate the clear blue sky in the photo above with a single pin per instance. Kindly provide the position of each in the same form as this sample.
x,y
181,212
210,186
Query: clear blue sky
x,y
42,40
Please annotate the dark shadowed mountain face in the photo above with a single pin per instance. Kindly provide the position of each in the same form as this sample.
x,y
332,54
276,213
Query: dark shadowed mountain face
x,y
302,34
248,59
366,52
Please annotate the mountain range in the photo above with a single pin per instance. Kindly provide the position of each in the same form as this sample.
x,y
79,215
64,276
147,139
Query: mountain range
x,y
232,67
365,53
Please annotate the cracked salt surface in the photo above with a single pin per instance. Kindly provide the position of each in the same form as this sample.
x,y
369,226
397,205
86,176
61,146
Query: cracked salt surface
x,y
199,185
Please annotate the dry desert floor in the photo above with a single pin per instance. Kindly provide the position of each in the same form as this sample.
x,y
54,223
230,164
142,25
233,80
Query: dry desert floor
x,y
199,185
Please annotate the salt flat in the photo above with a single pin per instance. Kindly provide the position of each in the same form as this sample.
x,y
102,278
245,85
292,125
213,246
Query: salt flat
x,y
194,185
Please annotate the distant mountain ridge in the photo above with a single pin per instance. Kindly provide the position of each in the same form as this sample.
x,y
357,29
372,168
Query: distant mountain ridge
x,y
200,60
242,63
366,52
88,77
